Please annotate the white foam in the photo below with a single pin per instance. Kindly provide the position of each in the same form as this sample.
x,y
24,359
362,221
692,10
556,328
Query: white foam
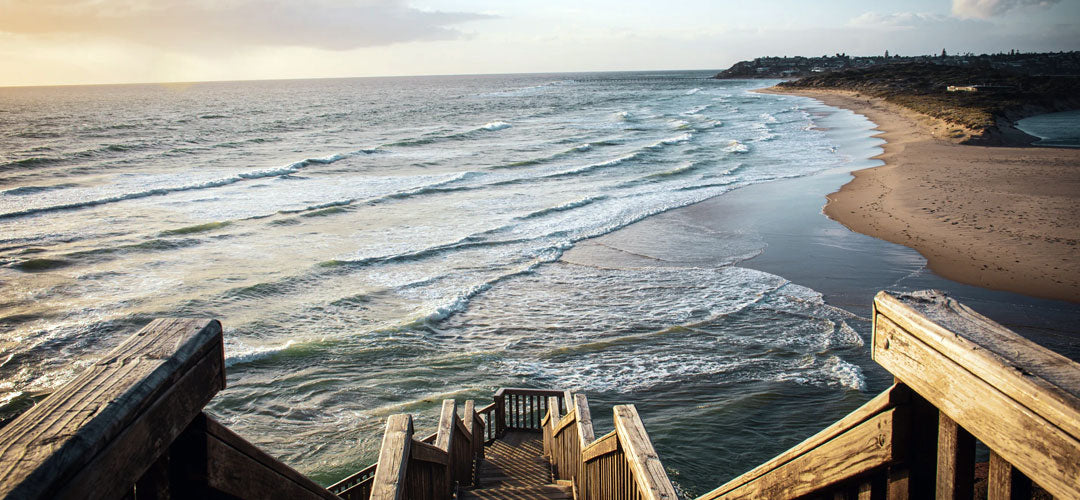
x,y
696,109
735,146
671,141
238,352
492,126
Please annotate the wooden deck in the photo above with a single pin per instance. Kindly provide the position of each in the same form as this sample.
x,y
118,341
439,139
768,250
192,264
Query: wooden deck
x,y
514,468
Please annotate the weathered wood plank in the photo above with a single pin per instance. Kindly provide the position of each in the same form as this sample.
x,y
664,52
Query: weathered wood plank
x,y
1004,482
260,457
353,480
43,449
553,408
1036,377
649,475
500,414
861,449
428,453
608,443
584,418
123,461
154,484
891,397
1043,451
233,471
955,461
566,421
393,458
468,417
446,425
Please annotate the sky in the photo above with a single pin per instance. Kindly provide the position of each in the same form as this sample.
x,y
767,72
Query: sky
x,y
52,42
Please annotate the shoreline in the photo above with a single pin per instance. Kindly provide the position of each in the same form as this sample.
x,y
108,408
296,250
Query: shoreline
x,y
1002,218
743,228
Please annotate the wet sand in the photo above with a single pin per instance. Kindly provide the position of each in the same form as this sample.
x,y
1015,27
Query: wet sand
x,y
1005,218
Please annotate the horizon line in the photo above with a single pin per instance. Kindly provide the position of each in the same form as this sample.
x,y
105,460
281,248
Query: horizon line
x,y
238,80
431,75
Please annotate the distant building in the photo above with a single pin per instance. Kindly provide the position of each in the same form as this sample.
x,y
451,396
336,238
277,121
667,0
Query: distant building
x,y
980,88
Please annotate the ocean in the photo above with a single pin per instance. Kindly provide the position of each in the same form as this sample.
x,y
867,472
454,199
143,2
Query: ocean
x,y
1061,129
375,245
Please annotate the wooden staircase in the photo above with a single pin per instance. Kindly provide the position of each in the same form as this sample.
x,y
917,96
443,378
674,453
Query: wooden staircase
x,y
515,468
132,426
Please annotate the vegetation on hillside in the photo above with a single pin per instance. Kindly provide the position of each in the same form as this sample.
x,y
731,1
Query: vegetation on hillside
x,y
923,88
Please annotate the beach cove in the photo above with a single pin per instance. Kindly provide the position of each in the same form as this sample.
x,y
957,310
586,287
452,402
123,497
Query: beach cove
x,y
403,250
1000,217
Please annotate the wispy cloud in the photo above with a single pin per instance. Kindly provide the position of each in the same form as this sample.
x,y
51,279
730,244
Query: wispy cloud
x,y
894,21
985,9
180,24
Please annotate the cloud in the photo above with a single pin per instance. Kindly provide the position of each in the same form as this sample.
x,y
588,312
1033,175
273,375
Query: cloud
x,y
895,21
325,24
985,9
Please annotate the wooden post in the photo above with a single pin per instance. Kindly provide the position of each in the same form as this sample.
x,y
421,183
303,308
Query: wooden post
x,y
446,437
1005,482
476,443
390,472
500,414
649,475
916,475
955,461
585,437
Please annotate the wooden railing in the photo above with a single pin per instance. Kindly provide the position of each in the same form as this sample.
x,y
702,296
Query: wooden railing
x,y
358,485
416,469
619,465
960,377
523,409
132,426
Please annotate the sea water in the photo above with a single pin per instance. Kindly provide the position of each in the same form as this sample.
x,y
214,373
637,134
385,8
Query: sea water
x,y
375,245
1060,129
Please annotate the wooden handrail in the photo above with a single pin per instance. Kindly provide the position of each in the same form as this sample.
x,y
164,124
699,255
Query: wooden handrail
x,y
434,467
1020,399
356,486
394,453
132,425
103,430
621,464
892,397
607,444
209,460
652,481
584,417
960,377
861,441
521,409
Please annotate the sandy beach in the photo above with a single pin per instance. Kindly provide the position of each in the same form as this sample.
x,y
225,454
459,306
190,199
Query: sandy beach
x,y
1006,218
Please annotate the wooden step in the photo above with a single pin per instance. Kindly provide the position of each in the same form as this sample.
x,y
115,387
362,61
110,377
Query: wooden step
x,y
520,493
